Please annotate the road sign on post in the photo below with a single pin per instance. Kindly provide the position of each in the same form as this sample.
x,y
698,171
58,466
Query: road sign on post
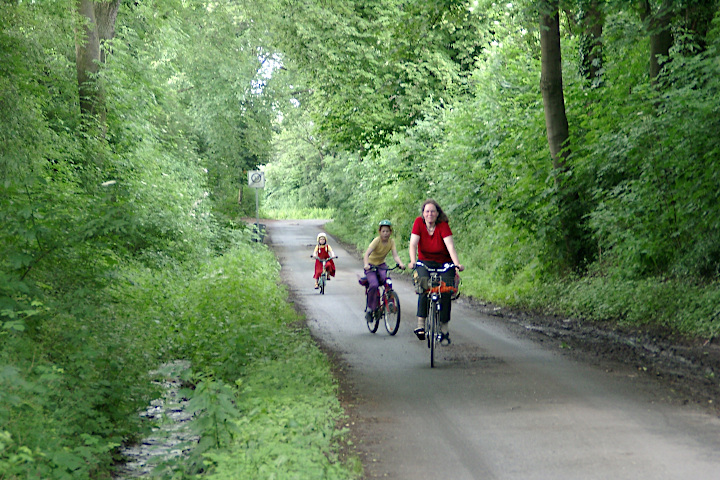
x,y
256,179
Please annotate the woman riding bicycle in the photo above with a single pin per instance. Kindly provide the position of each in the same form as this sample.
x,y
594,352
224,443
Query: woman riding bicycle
x,y
431,241
375,257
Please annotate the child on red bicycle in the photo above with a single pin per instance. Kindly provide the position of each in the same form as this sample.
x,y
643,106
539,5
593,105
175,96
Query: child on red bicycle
x,y
323,251
375,257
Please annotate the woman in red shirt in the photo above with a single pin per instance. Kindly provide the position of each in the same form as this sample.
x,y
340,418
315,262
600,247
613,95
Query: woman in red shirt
x,y
431,242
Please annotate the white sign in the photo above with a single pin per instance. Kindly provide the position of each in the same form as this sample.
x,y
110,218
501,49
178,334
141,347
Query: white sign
x,y
256,179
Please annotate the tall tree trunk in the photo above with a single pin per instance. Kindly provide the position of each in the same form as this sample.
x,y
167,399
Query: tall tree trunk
x,y
98,26
659,27
591,22
87,58
551,84
556,124
105,16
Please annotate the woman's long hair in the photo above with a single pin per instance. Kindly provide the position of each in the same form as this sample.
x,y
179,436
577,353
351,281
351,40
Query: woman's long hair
x,y
441,215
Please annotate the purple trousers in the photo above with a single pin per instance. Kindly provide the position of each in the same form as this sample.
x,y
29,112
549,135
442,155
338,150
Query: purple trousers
x,y
375,279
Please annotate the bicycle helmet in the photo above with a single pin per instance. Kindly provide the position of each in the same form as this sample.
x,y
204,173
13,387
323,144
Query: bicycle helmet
x,y
321,235
385,223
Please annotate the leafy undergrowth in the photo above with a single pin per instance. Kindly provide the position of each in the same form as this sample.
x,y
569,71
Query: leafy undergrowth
x,y
691,310
287,427
265,401
264,396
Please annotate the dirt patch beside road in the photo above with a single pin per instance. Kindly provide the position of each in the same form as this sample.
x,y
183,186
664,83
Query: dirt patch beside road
x,y
689,368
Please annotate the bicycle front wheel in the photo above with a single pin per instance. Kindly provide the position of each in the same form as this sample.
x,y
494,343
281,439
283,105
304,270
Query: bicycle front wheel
x,y
392,312
321,284
433,333
373,321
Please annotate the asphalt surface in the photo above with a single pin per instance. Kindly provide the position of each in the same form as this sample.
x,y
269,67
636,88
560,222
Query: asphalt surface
x,y
496,406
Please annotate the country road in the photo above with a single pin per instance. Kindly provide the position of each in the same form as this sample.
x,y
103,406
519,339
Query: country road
x,y
497,406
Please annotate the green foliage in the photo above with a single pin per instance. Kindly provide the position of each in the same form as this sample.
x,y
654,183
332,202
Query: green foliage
x,y
675,305
640,175
71,387
294,178
102,225
285,430
213,405
371,66
263,392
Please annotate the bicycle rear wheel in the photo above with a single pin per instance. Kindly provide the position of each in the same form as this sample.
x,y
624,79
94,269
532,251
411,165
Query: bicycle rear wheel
x,y
392,312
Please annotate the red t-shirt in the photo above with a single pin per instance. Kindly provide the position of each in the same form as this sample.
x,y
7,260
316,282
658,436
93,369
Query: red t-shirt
x,y
432,247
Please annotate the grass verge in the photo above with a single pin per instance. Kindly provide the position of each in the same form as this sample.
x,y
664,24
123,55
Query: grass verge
x,y
263,392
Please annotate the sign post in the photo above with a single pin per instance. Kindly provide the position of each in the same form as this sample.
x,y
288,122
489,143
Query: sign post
x,y
256,180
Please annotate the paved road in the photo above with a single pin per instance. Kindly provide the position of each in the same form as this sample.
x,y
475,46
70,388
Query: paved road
x,y
496,406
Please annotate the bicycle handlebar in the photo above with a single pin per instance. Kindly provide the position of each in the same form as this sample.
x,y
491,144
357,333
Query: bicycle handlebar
x,y
442,269
375,268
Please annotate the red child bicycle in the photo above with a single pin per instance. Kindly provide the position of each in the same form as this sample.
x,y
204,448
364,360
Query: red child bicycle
x,y
324,276
389,309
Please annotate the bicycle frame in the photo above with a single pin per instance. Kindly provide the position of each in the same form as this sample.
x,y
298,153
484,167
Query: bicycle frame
x,y
432,321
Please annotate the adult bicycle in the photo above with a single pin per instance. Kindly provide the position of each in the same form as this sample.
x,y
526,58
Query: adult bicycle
x,y
324,276
389,309
436,286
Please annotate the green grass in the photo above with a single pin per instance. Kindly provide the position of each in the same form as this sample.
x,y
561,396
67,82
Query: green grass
x,y
683,307
296,213
266,397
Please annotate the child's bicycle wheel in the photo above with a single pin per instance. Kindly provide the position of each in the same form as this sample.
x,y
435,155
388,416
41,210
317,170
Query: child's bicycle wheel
x,y
392,312
373,321
321,284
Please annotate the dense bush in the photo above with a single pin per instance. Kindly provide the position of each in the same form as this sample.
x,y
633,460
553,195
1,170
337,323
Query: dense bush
x,y
107,220
640,185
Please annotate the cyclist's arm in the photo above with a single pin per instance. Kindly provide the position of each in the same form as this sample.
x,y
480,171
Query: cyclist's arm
x,y
414,242
450,244
366,257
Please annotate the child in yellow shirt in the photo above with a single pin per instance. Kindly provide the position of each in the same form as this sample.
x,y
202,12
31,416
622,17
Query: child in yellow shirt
x,y
375,257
